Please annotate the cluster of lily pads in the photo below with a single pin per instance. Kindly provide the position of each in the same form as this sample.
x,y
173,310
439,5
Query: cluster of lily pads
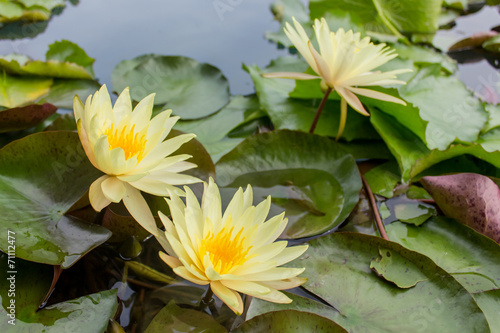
x,y
428,269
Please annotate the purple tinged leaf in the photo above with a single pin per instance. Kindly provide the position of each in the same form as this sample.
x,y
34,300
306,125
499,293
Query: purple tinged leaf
x,y
471,199
20,118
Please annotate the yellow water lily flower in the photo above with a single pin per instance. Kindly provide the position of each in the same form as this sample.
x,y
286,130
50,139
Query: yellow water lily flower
x,y
129,147
232,251
344,63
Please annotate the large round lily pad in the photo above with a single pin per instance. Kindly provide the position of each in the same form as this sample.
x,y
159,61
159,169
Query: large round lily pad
x,y
338,270
191,89
41,177
309,176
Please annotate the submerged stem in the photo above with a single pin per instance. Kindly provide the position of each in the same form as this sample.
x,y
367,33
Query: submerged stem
x,y
320,109
343,117
373,204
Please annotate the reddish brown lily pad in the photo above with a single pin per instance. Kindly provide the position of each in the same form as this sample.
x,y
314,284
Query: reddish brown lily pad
x,y
471,199
20,118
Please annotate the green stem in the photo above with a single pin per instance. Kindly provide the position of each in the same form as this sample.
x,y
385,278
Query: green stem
x,y
343,117
206,300
320,109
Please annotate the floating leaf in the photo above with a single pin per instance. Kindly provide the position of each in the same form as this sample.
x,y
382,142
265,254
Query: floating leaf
x,y
21,65
459,116
492,44
412,16
471,199
191,89
42,176
16,91
16,119
89,313
397,269
414,212
338,271
308,176
289,321
212,131
489,302
470,257
384,178
66,51
63,91
175,319
474,41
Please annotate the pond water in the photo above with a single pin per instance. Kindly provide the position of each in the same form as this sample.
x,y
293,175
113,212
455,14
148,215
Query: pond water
x,y
113,30
224,35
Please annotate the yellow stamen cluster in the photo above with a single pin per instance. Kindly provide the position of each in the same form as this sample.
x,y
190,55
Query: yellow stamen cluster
x,y
132,143
225,251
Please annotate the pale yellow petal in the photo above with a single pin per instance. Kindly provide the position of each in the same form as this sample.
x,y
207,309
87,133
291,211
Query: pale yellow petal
x,y
278,273
231,298
247,287
352,100
290,253
184,273
113,189
275,297
285,283
139,209
290,75
173,262
377,95
122,107
141,115
97,199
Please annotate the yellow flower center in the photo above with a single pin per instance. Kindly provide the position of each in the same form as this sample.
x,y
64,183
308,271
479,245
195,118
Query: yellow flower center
x,y
132,143
225,251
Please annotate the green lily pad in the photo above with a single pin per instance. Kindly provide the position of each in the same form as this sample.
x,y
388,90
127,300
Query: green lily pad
x,y
397,269
212,131
89,313
489,302
338,271
16,91
66,51
175,319
283,11
310,177
42,176
414,212
191,89
63,91
492,44
21,65
460,116
470,257
384,178
412,16
289,321
16,119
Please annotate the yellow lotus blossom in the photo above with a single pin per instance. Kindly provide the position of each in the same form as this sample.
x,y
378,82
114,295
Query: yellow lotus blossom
x,y
234,251
129,147
344,63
